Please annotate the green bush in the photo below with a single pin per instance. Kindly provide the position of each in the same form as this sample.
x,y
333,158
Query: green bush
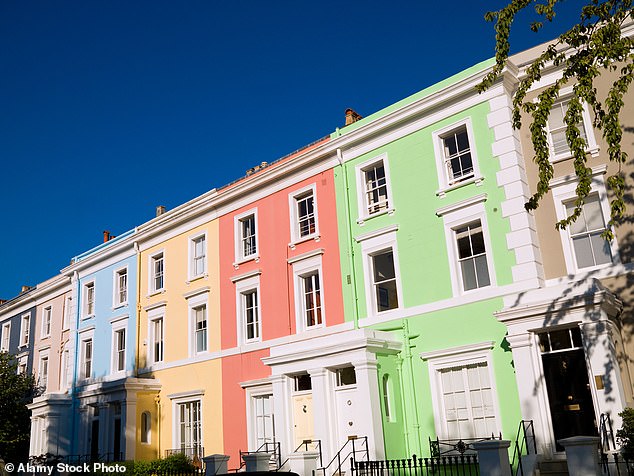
x,y
175,464
625,436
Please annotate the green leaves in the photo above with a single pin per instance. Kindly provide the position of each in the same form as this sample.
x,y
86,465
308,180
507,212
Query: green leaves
x,y
588,50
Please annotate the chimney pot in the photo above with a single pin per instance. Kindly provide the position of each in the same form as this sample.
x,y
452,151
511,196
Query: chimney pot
x,y
352,116
25,288
160,210
106,236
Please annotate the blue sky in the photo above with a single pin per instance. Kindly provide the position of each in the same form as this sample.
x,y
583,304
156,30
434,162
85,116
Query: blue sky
x,y
108,109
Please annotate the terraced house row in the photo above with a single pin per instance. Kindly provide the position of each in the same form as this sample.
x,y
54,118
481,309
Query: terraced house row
x,y
383,282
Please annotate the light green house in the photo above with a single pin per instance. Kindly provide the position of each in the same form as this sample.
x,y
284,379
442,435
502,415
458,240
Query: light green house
x,y
433,234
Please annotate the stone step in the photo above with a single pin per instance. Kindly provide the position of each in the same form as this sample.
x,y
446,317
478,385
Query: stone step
x,y
553,468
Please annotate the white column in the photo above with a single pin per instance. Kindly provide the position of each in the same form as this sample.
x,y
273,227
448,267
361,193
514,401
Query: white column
x,y
604,369
280,406
324,427
531,388
368,385
128,424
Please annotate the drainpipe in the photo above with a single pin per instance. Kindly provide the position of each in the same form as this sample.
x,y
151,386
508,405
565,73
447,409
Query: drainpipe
x,y
157,400
353,281
74,434
408,357
138,308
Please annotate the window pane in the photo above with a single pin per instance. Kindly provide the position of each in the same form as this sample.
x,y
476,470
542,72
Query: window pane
x,y
601,248
583,251
482,271
387,296
384,266
468,274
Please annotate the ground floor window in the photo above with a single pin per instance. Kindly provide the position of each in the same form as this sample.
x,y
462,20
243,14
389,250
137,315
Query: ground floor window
x,y
467,401
263,419
189,426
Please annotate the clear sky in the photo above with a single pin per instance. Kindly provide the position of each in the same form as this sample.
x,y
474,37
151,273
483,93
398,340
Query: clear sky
x,y
110,108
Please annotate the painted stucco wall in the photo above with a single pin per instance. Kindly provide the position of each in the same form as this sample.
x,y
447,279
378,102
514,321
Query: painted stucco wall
x,y
53,343
430,317
105,311
182,371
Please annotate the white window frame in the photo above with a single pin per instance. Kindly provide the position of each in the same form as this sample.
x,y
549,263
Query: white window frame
x,y
244,287
185,398
454,217
196,302
64,381
591,143
116,294
445,182
23,364
151,272
458,357
293,202
47,321
372,245
302,269
84,337
25,329
192,256
68,301
252,393
564,190
85,308
237,226
119,324
154,315
362,203
44,367
6,337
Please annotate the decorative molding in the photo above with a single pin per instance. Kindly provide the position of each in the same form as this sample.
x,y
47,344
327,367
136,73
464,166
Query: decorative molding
x,y
375,233
461,204
250,274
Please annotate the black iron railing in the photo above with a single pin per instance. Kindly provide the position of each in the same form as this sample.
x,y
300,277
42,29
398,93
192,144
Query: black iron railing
x,y
271,447
456,447
458,465
524,441
306,445
355,449
615,464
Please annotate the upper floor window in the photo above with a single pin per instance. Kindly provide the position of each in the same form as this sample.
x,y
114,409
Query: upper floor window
x,y
589,248
251,315
89,299
384,280
198,256
457,155
200,328
454,148
6,337
156,339
86,359
46,321
43,372
23,364
559,147
472,258
375,181
121,287
25,329
311,290
157,272
118,350
303,214
247,235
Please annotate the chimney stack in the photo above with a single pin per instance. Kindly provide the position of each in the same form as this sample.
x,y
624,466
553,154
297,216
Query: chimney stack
x,y
160,210
352,117
25,288
106,236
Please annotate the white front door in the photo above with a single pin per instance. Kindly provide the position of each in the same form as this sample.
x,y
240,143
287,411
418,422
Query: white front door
x,y
303,424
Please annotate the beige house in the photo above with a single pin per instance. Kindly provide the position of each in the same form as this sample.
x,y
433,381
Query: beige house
x,y
572,338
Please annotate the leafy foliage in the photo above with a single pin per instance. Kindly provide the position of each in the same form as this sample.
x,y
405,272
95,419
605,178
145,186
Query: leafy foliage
x,y
16,391
174,464
590,48
625,435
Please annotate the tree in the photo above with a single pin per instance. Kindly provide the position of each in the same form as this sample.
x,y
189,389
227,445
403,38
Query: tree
x,y
16,391
590,48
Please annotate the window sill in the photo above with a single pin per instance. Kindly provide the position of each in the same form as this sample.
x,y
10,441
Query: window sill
x,y
594,152
246,259
443,191
361,220
89,316
158,291
196,278
315,236
117,306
